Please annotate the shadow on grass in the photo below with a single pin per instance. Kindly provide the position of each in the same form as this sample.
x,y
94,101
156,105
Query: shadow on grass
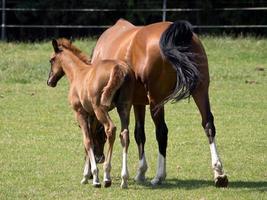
x,y
195,184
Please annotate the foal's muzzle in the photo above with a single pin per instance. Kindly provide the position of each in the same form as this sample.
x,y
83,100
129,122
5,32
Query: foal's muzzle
x,y
51,82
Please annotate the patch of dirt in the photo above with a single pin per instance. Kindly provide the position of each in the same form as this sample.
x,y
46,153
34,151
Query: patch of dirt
x,y
251,82
260,69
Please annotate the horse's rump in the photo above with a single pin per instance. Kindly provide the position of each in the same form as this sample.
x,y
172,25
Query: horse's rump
x,y
175,44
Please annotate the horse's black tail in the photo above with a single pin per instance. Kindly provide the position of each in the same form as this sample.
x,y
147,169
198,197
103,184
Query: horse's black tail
x,y
174,44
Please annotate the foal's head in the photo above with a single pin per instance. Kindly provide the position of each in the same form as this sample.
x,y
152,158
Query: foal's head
x,y
56,71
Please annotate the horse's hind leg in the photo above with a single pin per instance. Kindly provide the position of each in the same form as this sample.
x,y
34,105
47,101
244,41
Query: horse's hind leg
x,y
124,113
140,138
201,98
162,137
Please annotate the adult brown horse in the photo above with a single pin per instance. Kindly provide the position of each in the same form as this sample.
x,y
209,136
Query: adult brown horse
x,y
169,63
94,90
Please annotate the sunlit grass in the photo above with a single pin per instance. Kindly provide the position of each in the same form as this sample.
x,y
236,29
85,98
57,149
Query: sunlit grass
x,y
41,153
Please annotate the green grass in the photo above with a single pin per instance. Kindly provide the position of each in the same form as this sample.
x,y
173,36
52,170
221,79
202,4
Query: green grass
x,y
41,152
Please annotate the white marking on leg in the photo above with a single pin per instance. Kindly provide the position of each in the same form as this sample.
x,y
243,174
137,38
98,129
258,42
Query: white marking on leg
x,y
161,171
94,169
107,169
143,163
124,171
215,160
92,160
140,177
220,177
214,153
86,171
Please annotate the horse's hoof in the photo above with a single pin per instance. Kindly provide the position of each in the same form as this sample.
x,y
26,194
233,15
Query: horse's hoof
x,y
97,185
107,183
140,179
84,181
221,181
124,185
156,182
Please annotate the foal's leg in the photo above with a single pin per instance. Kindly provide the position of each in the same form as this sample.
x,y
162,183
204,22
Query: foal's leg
x,y
110,130
87,166
124,113
162,137
140,138
87,169
82,119
201,98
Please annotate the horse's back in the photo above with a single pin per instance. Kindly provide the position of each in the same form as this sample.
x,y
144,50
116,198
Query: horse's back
x,y
114,42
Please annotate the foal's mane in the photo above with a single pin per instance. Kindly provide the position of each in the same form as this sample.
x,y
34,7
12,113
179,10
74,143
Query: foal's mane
x,y
77,52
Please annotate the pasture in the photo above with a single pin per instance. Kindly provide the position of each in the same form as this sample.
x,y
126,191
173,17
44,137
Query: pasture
x,y
41,151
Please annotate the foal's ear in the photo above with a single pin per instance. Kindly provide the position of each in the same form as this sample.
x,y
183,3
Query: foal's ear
x,y
71,39
57,48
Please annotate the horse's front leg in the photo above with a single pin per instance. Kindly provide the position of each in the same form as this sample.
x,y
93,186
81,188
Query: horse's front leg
x,y
124,113
81,117
110,130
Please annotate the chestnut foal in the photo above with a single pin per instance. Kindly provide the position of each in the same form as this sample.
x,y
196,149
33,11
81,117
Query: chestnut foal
x,y
94,91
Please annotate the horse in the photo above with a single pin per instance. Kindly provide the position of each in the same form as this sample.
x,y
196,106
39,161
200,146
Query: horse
x,y
95,89
169,64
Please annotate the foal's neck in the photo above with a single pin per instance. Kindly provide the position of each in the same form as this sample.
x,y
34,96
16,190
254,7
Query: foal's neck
x,y
73,67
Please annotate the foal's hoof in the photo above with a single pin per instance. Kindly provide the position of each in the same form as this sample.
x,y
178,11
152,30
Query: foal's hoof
x,y
86,178
124,186
156,182
97,185
107,183
140,178
221,181
84,181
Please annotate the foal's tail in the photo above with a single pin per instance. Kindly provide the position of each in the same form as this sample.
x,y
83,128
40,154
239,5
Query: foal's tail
x,y
174,44
116,79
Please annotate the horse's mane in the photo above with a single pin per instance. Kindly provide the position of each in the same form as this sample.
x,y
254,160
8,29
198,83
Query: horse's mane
x,y
68,45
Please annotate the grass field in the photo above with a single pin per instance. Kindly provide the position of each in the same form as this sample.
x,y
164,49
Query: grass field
x,y
41,152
